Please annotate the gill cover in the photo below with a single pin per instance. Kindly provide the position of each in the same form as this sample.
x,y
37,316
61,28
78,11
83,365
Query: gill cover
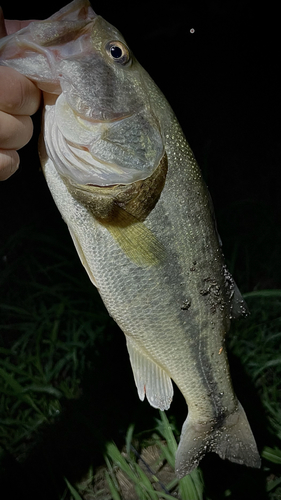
x,y
101,130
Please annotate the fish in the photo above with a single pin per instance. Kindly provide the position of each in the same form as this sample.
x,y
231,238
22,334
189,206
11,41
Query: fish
x,y
128,186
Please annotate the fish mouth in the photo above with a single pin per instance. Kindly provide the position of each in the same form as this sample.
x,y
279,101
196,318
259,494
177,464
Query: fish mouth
x,y
125,149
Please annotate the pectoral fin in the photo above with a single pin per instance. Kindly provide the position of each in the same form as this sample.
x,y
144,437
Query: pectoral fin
x,y
137,241
123,210
150,379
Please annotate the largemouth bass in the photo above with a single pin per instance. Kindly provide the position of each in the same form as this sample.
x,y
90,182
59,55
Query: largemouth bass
x,y
131,193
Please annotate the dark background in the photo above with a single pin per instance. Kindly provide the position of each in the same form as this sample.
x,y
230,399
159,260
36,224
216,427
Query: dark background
x,y
222,84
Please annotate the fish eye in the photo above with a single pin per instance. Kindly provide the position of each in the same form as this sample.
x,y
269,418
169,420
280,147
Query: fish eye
x,y
118,52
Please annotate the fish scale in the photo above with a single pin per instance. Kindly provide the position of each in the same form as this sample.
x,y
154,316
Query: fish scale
x,y
128,186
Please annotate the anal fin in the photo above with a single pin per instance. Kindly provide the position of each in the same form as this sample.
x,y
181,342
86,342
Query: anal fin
x,y
151,380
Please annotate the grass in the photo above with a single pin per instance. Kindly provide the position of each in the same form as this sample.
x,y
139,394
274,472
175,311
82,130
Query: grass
x,y
62,364
45,344
257,346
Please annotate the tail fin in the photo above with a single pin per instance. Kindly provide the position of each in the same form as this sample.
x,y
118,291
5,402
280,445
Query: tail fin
x,y
233,440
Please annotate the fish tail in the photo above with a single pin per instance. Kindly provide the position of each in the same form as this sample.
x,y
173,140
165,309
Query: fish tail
x,y
231,439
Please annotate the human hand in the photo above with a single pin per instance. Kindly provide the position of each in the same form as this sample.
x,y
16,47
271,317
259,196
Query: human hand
x,y
19,99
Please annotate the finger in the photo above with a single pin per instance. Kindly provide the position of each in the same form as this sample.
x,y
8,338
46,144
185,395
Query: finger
x,y
3,31
8,27
13,26
19,96
15,131
9,162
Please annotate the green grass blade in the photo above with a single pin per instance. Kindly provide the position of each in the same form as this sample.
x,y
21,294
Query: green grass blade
x,y
167,455
161,495
263,293
191,486
166,430
268,364
73,491
19,390
271,485
145,483
114,493
273,455
129,436
48,389
116,457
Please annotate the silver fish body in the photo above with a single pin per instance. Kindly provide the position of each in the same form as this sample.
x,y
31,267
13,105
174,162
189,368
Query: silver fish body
x,y
126,183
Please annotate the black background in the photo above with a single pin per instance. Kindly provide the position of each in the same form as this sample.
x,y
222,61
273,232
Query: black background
x,y
221,80
223,83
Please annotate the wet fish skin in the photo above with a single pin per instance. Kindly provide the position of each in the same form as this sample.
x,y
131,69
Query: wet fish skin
x,y
142,222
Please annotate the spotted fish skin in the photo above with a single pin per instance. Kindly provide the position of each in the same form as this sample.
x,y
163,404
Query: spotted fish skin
x,y
128,186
